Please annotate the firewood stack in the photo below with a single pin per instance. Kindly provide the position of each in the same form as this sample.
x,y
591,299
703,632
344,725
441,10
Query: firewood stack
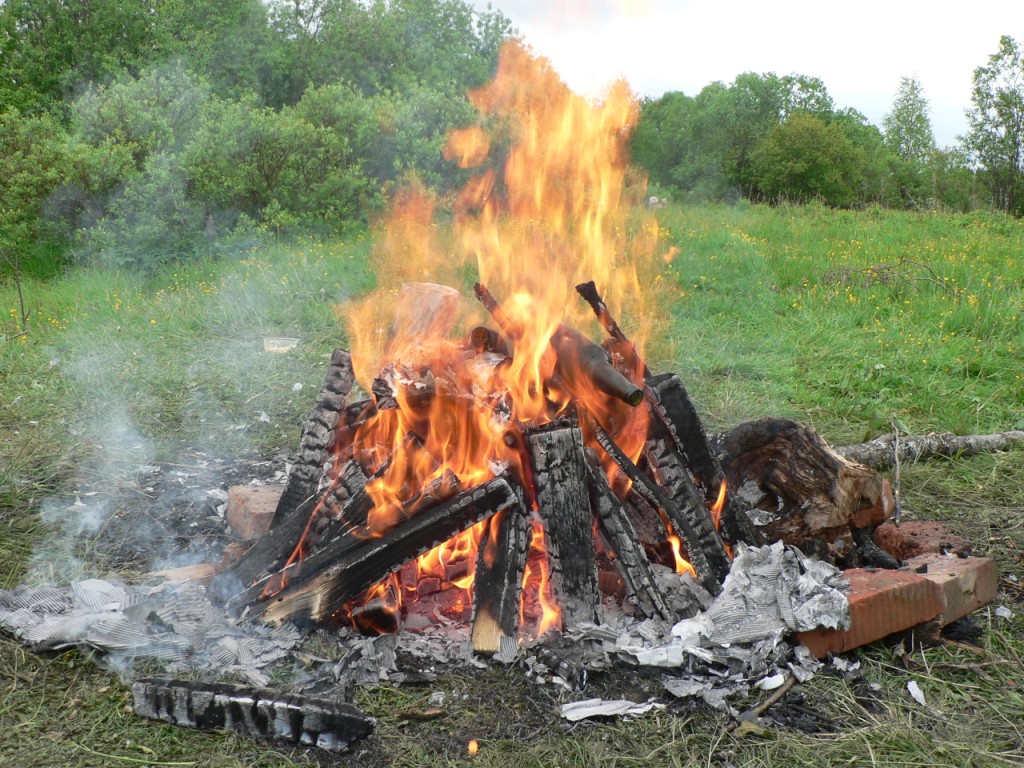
x,y
599,509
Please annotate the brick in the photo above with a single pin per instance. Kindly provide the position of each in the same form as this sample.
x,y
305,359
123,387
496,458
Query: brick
x,y
877,514
881,602
967,583
251,509
916,537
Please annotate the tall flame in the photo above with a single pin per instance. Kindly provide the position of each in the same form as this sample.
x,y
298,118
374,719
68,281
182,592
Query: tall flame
x,y
547,207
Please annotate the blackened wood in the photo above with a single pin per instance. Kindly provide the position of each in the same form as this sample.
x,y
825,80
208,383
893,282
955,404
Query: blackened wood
x,y
497,313
259,713
689,512
501,560
560,482
869,552
353,418
654,495
318,436
672,407
805,489
345,500
317,594
630,557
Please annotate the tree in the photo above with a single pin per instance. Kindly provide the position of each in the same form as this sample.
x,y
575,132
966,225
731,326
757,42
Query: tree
x,y
995,135
907,126
807,158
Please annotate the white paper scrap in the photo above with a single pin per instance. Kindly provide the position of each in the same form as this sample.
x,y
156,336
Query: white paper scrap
x,y
915,691
580,710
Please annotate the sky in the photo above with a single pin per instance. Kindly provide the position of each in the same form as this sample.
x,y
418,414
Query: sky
x,y
860,49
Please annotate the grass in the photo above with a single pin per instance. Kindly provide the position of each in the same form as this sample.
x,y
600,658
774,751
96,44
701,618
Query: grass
x,y
842,320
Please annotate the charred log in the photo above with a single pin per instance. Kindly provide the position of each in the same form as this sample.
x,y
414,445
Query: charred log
x,y
346,502
317,593
803,489
318,435
654,495
259,713
632,562
560,484
501,560
672,407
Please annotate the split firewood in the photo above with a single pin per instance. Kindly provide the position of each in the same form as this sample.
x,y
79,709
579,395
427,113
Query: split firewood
x,y
318,435
255,712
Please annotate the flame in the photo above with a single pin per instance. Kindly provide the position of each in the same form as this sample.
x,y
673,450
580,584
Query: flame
x,y
551,203
537,580
718,506
682,565
473,747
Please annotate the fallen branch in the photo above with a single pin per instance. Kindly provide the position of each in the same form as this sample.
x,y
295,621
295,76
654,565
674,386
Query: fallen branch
x,y
885,452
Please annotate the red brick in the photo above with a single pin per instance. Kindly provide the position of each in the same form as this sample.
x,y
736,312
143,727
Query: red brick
x,y
967,583
916,537
251,509
877,514
881,602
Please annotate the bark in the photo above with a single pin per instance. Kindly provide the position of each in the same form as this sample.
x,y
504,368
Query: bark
x,y
880,454
255,712
560,484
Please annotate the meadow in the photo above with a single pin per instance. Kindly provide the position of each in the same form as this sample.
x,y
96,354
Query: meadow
x,y
853,322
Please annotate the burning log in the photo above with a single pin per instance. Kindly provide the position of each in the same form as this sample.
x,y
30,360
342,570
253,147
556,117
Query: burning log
x,y
345,500
635,568
318,435
255,712
500,563
560,485
674,410
654,495
318,596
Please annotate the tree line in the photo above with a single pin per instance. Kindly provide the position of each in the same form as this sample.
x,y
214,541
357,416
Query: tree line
x,y
139,132
770,138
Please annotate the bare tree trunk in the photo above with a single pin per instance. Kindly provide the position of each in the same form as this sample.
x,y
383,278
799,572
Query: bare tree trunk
x,y
881,454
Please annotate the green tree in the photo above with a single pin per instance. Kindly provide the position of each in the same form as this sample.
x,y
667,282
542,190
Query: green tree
x,y
995,136
807,158
907,125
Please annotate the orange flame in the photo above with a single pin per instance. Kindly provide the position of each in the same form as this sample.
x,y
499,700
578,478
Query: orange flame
x,y
537,580
548,207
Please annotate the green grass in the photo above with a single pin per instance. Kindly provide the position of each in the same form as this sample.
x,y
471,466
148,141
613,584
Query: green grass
x,y
839,319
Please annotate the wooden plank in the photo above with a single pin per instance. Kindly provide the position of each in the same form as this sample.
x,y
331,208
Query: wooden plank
x,y
314,595
560,483
501,560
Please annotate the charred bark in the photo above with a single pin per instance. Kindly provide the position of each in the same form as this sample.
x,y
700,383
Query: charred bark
x,y
318,436
497,585
317,593
560,484
259,713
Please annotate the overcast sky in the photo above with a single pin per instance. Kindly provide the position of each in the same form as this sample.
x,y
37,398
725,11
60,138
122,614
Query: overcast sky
x,y
859,49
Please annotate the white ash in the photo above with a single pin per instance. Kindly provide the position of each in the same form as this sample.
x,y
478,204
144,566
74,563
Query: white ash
x,y
172,623
575,711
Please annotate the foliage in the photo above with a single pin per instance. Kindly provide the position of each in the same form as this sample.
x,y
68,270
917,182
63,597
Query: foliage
x,y
806,158
907,126
995,134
